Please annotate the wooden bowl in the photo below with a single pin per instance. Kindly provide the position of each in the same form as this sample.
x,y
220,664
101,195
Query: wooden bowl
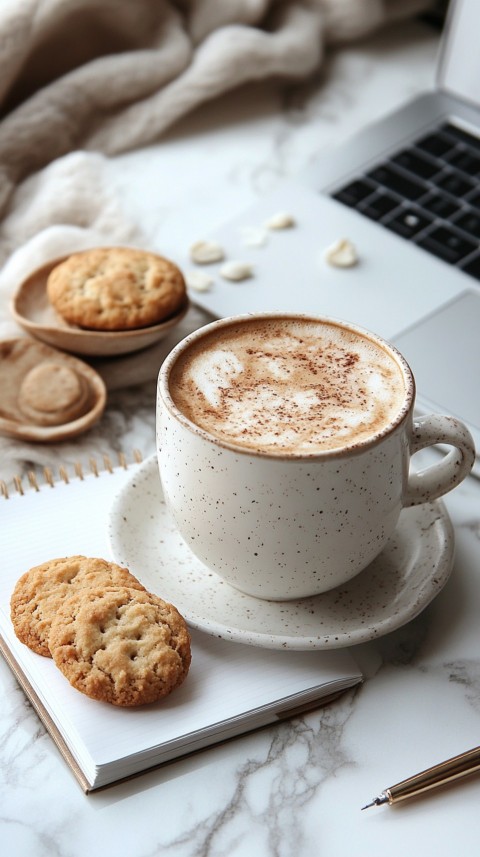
x,y
46,395
34,313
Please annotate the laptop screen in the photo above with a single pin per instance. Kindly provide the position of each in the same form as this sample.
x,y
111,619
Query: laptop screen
x,y
459,72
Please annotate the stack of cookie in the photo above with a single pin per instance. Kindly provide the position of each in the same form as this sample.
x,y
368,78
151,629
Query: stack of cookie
x,y
116,289
112,639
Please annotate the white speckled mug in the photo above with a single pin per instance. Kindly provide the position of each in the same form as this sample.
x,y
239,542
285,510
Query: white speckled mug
x,y
284,445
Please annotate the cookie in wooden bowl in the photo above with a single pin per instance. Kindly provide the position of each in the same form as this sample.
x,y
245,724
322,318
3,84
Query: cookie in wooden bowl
x,y
116,288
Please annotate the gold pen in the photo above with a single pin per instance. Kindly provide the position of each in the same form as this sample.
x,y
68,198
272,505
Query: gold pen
x,y
447,772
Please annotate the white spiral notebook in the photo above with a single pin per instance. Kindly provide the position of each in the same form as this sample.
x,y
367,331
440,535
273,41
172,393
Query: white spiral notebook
x,y
231,688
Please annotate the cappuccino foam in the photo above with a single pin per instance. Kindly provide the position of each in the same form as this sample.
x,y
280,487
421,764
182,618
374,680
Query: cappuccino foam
x,y
288,386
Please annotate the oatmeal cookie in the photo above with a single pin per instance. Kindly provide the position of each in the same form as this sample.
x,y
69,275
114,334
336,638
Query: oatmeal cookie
x,y
120,645
41,591
116,288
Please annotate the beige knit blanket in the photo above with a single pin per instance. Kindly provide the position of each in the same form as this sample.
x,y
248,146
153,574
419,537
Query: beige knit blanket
x,y
82,80
111,75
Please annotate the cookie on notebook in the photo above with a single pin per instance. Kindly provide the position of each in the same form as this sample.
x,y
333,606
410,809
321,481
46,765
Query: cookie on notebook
x,y
40,592
120,645
116,288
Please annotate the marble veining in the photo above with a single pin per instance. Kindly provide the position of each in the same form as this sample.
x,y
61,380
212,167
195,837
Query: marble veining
x,y
271,792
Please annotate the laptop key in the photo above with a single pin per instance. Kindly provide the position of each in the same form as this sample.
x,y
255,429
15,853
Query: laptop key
x,y
473,267
474,199
440,205
447,244
455,183
466,162
469,222
354,193
435,144
408,222
379,205
408,188
416,164
461,135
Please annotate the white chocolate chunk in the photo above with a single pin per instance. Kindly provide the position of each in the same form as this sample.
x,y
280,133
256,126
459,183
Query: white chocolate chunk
x,y
280,220
341,254
252,237
236,271
206,252
198,280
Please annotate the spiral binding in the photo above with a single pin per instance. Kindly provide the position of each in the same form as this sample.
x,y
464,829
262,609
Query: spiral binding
x,y
47,477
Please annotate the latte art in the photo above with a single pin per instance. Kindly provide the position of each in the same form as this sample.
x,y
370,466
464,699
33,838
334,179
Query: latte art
x,y
288,386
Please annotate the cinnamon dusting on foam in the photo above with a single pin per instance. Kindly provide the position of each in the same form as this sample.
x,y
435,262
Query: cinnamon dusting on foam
x,y
288,386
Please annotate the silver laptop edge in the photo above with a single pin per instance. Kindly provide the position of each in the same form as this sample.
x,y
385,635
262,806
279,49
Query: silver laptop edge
x,y
402,125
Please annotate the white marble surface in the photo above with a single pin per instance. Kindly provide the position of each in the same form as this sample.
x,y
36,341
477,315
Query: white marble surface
x,y
294,789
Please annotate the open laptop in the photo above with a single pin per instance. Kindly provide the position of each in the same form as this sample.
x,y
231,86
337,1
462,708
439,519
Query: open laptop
x,y
406,193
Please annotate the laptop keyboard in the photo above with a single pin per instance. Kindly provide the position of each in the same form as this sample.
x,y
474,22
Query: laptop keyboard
x,y
429,193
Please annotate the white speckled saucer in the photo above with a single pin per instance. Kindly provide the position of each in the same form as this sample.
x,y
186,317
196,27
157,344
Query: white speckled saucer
x,y
408,574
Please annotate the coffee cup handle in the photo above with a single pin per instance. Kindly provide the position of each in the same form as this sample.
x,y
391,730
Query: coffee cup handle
x,y
441,477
